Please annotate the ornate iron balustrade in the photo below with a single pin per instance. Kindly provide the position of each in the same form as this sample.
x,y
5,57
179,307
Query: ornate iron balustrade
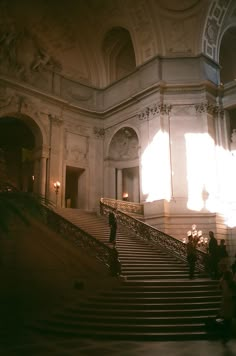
x,y
148,233
126,206
81,238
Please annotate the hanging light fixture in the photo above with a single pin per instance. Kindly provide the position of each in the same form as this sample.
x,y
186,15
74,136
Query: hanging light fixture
x,y
200,240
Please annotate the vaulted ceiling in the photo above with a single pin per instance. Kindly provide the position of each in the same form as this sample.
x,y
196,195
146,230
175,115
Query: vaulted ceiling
x,y
97,42
82,39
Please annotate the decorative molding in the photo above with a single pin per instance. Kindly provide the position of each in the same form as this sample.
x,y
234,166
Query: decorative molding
x,y
25,106
143,27
151,111
5,100
216,15
54,119
208,108
99,132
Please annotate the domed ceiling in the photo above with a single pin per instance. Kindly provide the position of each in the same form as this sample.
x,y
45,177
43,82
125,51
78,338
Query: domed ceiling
x,y
67,36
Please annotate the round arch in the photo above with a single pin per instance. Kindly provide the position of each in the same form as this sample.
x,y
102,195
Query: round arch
x,y
227,54
219,16
122,127
123,165
23,140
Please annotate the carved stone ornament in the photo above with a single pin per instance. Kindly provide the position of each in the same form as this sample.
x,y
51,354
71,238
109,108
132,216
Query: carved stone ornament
x,y
124,145
99,132
156,109
56,120
209,109
26,106
5,100
21,55
212,31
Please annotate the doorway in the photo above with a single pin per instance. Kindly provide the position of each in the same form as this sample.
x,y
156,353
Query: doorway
x,y
130,184
75,194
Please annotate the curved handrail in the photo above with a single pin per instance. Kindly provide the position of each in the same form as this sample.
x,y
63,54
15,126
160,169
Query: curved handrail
x,y
75,234
149,233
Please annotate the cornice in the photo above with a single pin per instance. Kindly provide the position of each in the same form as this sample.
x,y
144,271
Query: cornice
x,y
160,87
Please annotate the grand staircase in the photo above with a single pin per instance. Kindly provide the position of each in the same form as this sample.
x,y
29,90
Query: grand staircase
x,y
154,300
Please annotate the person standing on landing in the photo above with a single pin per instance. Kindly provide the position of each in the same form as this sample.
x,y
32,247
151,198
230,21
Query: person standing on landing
x,y
191,256
213,256
113,227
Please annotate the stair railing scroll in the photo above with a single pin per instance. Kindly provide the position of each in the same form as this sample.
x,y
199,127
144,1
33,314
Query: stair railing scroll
x,y
81,238
151,234
126,206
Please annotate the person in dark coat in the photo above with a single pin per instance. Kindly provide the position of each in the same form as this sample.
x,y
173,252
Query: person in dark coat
x,y
113,227
227,286
115,265
213,256
191,256
223,264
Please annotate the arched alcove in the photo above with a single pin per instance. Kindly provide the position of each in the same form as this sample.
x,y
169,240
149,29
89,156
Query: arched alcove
x,y
19,137
228,56
124,145
118,54
123,153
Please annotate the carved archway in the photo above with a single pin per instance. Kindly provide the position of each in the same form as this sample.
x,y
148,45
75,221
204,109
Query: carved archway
x,y
124,160
119,56
21,141
228,56
219,16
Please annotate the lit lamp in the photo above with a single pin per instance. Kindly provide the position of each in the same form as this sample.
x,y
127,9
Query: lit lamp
x,y
125,196
56,188
202,242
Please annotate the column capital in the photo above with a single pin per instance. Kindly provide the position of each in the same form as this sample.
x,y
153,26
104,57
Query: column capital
x,y
156,109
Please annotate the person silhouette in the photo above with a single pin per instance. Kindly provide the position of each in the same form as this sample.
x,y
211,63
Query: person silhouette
x,y
113,227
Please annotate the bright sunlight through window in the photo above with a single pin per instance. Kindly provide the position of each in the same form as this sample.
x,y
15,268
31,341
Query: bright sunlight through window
x,y
155,162
211,177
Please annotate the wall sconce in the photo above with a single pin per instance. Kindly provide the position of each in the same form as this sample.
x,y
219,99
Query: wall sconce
x,y
56,188
125,196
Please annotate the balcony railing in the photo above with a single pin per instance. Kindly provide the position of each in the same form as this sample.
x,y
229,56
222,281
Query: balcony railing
x,y
125,206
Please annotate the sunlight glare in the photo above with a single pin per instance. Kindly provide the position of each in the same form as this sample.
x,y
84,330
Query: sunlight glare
x,y
155,162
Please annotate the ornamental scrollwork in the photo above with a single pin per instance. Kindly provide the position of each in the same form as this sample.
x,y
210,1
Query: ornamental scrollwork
x,y
154,110
151,235
209,108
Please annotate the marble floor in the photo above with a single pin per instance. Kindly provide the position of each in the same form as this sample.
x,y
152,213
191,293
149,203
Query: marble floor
x,y
89,347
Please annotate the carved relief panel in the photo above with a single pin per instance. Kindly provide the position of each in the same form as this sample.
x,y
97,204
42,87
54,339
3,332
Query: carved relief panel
x,y
124,145
76,148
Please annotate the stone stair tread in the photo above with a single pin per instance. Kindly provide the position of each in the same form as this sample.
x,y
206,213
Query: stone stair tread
x,y
128,318
156,293
129,335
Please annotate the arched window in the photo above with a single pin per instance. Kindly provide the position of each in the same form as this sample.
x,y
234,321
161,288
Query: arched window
x,y
118,53
228,56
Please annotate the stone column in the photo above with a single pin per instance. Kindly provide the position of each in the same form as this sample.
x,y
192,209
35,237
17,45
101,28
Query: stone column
x,y
55,158
136,188
119,183
43,172
36,176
